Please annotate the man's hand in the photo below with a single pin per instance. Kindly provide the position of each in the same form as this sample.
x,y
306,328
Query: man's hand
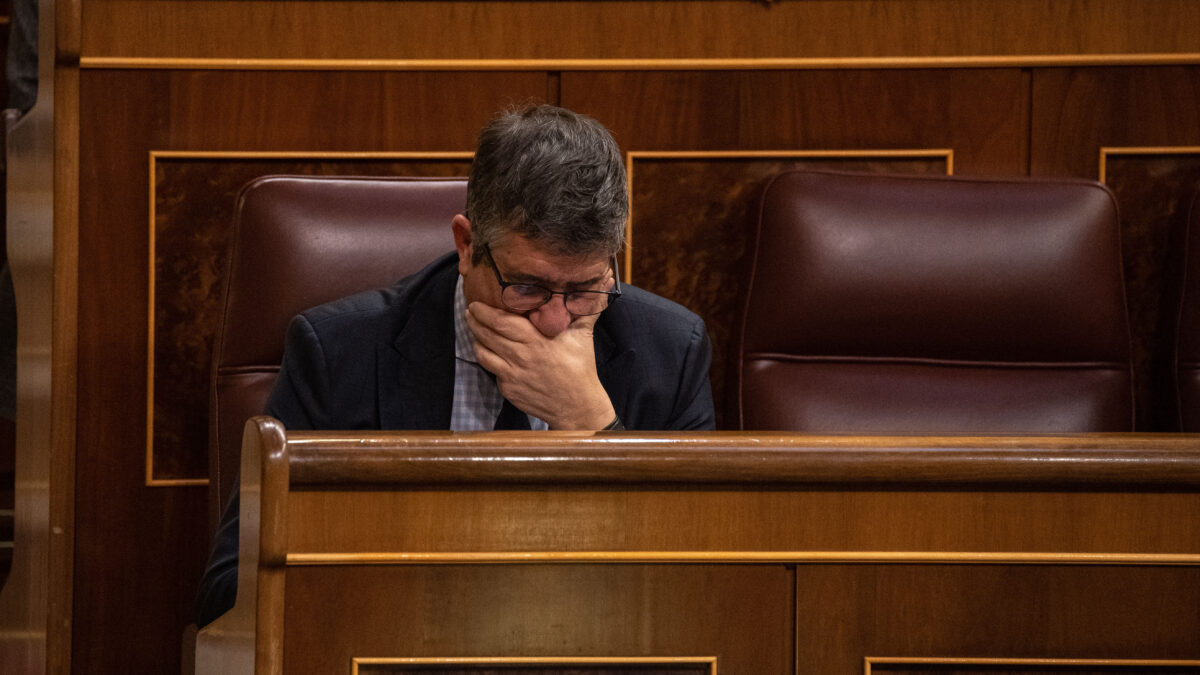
x,y
550,378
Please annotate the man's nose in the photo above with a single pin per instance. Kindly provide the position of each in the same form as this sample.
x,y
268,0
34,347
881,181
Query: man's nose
x,y
551,318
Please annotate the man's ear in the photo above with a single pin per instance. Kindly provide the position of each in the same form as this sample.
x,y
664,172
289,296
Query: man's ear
x,y
461,227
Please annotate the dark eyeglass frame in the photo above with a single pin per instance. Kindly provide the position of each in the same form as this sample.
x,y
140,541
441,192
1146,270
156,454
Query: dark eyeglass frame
x,y
612,294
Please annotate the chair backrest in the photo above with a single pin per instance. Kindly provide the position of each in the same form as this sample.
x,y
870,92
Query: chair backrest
x,y
1187,339
298,242
912,304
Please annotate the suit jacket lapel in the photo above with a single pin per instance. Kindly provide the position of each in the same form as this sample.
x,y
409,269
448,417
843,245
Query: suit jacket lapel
x,y
416,370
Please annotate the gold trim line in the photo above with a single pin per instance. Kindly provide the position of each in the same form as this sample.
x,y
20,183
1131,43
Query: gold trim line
x,y
769,63
710,661
900,557
968,661
1146,150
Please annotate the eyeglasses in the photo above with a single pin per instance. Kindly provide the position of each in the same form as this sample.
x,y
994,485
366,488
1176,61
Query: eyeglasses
x,y
528,297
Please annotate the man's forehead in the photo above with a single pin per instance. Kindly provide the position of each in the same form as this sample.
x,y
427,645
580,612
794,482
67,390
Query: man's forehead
x,y
523,259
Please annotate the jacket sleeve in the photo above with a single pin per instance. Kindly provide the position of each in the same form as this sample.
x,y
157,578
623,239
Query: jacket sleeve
x,y
218,587
300,398
693,409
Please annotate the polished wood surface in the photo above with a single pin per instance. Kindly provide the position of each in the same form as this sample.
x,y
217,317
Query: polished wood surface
x,y
647,28
405,458
777,553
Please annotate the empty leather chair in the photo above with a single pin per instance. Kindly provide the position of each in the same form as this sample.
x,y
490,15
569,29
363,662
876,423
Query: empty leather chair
x,y
299,242
914,304
1187,341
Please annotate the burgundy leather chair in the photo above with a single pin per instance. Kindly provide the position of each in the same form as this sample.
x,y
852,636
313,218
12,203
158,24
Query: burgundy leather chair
x,y
299,242
912,304
1187,339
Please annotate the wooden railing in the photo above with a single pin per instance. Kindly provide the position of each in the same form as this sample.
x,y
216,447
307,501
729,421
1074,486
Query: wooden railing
x,y
762,553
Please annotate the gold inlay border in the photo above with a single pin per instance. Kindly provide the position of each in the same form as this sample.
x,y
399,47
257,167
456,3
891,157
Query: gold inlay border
x,y
1107,151
709,661
871,661
301,559
632,156
154,157
584,64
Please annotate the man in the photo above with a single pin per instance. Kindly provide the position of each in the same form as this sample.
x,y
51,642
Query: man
x,y
525,325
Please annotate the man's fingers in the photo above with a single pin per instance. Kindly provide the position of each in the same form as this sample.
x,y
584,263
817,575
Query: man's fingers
x,y
585,322
506,324
490,360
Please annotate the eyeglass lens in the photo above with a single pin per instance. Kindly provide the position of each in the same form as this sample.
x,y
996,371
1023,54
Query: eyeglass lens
x,y
523,297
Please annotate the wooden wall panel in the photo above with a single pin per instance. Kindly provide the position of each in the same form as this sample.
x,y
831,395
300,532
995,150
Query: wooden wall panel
x,y
1077,113
646,28
979,113
140,550
986,611
741,614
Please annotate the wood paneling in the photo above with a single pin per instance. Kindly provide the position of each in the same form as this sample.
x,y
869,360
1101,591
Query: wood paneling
x,y
742,614
981,114
1012,612
140,550
646,29
795,612
1077,112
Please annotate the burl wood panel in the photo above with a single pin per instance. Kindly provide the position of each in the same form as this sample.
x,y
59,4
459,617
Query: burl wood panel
x,y
846,613
693,220
139,550
1079,111
194,202
1153,191
741,614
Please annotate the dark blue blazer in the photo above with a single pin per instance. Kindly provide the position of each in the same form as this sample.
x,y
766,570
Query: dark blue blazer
x,y
384,359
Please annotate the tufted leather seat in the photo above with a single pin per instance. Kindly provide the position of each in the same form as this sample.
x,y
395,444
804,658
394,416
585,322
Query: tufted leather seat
x,y
299,242
913,304
1187,341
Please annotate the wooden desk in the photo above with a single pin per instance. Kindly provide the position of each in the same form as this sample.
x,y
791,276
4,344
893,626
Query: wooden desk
x,y
754,554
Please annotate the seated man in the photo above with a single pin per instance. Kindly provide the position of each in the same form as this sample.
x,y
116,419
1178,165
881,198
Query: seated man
x,y
524,326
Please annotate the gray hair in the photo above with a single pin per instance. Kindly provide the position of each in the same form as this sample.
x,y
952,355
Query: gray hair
x,y
550,175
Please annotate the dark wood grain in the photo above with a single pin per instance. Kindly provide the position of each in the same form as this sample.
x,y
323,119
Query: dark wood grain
x,y
397,458
1065,612
769,578
1076,113
740,613
979,113
647,28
